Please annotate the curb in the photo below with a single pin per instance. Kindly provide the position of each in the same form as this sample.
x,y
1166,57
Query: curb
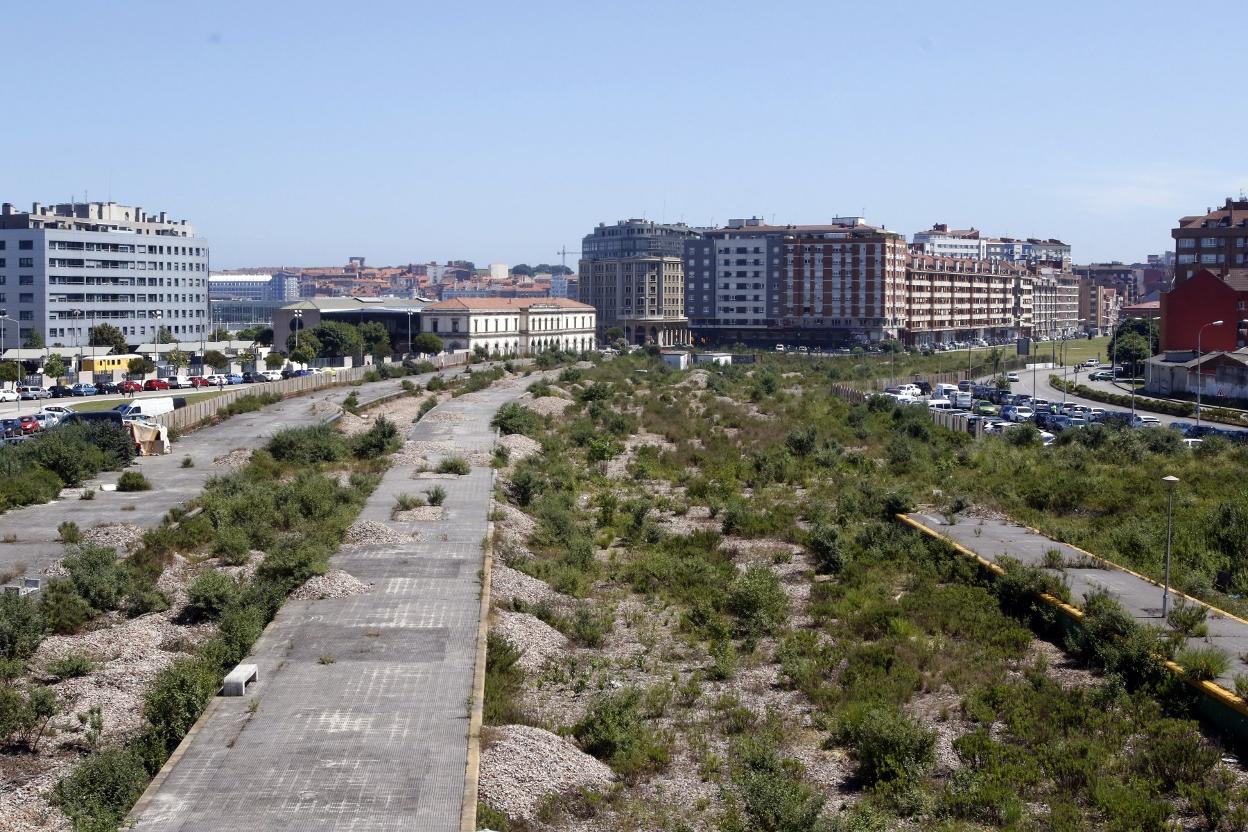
x,y
468,811
149,794
1209,688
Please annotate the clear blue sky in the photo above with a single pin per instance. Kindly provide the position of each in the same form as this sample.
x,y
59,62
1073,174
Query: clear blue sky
x,y
304,133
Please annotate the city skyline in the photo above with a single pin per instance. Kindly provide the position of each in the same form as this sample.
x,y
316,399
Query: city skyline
x,y
417,132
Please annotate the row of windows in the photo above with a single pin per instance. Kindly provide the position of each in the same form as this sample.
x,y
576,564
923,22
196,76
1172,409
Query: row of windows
x,y
72,245
130,265
80,280
78,332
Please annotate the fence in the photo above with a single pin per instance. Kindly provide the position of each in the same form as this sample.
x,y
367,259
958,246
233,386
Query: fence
x,y
202,411
953,420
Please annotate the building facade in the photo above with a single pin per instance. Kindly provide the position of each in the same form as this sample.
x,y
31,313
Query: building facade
x,y
1055,303
65,268
632,273
512,326
1216,241
943,241
957,298
1098,307
732,279
283,286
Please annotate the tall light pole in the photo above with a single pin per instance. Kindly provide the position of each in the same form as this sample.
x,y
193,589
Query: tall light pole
x,y
1171,481
1199,378
409,332
298,313
4,316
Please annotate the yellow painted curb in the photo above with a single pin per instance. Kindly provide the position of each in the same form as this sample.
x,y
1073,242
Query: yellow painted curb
x,y
468,811
1209,688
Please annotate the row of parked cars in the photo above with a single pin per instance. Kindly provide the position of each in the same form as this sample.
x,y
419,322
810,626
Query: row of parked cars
x,y
63,391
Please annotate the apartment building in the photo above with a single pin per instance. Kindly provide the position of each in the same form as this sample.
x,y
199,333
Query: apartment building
x,y
943,241
282,286
841,283
1098,306
732,278
65,268
958,298
1055,303
633,274
511,326
1216,241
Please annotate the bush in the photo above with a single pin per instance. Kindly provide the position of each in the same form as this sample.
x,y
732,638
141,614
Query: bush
x,y
133,481
63,610
307,446
21,626
436,495
209,595
426,406
247,404
99,793
67,532
514,418
1203,662
771,789
758,601
380,439
614,730
176,698
824,544
97,575
454,465
886,744
504,680
70,666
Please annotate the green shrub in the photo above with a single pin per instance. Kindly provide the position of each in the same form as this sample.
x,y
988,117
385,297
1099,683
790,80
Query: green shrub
x,y
1203,662
352,401
504,681
514,418
248,403
30,487
773,794
63,610
453,465
407,502
425,407
886,744
758,601
380,439
614,730
187,462
1173,753
70,666
21,626
491,818
176,698
101,790
1189,619
209,595
97,575
67,532
824,544
307,446
436,495
133,481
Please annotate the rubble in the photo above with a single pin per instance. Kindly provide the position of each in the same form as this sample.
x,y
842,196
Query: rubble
x,y
373,533
537,641
546,405
522,766
333,584
124,537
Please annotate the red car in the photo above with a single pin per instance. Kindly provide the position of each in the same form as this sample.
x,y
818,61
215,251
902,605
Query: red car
x,y
199,381
29,424
155,384
129,386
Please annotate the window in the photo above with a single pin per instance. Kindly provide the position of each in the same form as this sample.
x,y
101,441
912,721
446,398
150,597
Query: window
x,y
26,297
1209,242
25,315
26,245
26,280
25,262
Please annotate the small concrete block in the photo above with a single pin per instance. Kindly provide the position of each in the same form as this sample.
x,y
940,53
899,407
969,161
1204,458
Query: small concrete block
x,y
236,682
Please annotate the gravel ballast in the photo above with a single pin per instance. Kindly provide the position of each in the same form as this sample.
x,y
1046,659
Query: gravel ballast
x,y
538,641
333,584
518,446
373,533
521,766
547,405
122,536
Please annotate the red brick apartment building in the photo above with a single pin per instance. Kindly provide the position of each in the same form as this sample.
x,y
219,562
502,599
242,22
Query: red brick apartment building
x,y
1216,241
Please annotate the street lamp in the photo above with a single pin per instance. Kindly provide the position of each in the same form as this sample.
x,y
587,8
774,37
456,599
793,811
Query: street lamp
x,y
1171,481
1199,378
409,332
3,340
298,324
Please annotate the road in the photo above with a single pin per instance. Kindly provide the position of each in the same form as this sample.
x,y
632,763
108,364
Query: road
x,y
11,410
377,738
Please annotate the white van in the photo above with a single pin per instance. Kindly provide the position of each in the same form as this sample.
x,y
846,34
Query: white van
x,y
944,391
940,404
961,399
154,406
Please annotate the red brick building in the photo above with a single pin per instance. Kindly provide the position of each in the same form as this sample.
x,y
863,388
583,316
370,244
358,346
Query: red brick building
x,y
1200,299
1216,241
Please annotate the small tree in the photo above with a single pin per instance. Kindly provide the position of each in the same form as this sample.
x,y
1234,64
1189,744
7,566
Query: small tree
x,y
140,366
107,335
178,360
427,342
219,334
302,355
376,339
55,367
216,360
164,336
34,341
9,371
274,361
1132,349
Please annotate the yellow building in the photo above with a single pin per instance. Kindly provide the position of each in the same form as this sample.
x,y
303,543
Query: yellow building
x,y
107,363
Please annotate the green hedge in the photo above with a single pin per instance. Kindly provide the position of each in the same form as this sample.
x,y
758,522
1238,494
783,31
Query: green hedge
x,y
1123,399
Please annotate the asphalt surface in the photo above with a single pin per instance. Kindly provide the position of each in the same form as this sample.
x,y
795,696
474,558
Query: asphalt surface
x,y
29,537
377,739
11,410
1142,598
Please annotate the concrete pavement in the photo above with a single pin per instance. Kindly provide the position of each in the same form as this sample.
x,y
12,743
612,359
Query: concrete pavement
x,y
377,739
1141,597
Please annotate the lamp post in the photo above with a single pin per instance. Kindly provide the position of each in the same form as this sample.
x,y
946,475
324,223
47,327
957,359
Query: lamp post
x,y
1199,378
409,332
78,313
4,316
298,313
1171,481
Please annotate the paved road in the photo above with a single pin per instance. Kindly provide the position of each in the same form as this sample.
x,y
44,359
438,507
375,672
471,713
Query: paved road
x,y
376,740
1142,598
30,533
11,410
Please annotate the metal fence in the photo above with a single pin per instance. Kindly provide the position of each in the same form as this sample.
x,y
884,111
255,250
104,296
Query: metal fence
x,y
202,411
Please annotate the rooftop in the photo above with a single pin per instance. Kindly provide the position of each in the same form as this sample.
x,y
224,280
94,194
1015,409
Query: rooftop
x,y
493,304
353,304
94,216
1233,213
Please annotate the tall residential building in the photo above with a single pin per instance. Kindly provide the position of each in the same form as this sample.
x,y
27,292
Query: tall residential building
x,y
1098,306
843,282
943,241
732,279
1055,302
957,298
1125,279
65,268
633,274
1216,241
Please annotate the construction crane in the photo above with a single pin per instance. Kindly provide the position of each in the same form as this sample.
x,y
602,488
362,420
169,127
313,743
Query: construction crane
x,y
563,257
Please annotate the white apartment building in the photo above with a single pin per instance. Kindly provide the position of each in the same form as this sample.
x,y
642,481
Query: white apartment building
x,y
943,241
282,286
66,268
511,326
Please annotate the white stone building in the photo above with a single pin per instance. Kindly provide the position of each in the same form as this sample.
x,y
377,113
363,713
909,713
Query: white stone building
x,y
511,326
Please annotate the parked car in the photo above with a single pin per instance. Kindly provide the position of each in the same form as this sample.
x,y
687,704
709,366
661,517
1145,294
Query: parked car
x,y
47,420
273,375
60,411
250,377
29,424
155,384
233,378
109,387
1011,376
1141,421
1193,443
9,396
984,408
198,381
1023,413
1100,375
177,382
11,429
32,393
130,386
84,389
